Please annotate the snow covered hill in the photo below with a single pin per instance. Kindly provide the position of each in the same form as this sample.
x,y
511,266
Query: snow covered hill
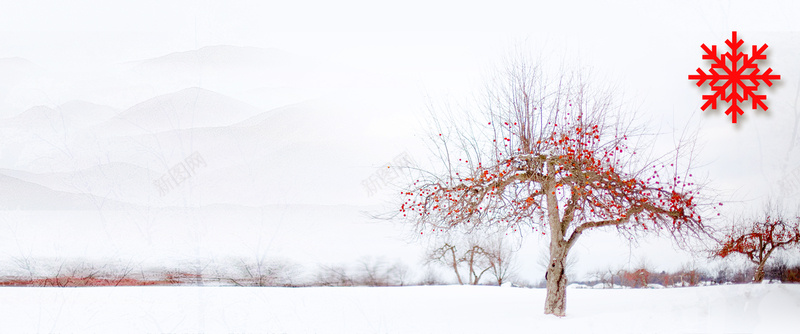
x,y
767,308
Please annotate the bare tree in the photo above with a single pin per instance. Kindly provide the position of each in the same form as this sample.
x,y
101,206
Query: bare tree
x,y
689,274
398,274
265,272
724,274
604,276
374,272
430,277
777,268
477,260
368,271
334,276
468,255
551,156
27,265
447,254
501,259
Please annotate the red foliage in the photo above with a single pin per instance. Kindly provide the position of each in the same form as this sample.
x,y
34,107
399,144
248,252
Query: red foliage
x,y
579,164
637,278
758,239
171,278
79,281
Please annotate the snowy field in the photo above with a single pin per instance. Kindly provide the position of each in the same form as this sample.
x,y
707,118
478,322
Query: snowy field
x,y
764,308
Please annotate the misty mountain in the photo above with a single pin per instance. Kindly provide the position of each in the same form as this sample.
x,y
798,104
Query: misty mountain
x,y
218,56
185,109
72,115
275,156
17,194
115,181
265,77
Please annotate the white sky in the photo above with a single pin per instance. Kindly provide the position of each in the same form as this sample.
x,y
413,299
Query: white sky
x,y
125,30
440,43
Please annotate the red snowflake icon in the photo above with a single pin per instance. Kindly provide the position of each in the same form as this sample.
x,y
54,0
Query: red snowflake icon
x,y
730,74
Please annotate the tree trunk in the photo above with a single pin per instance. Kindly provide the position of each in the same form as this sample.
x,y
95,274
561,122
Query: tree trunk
x,y
762,262
556,302
760,272
455,268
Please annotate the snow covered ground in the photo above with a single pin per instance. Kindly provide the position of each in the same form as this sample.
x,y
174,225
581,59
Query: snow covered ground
x,y
762,308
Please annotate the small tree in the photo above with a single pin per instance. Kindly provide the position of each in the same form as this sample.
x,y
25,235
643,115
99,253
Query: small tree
x,y
604,276
638,278
430,277
398,273
472,255
777,269
334,275
378,272
477,260
373,272
759,238
642,274
501,259
265,272
447,255
551,156
689,274
724,274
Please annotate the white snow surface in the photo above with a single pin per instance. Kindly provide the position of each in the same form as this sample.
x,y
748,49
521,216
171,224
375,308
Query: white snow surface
x,y
751,308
